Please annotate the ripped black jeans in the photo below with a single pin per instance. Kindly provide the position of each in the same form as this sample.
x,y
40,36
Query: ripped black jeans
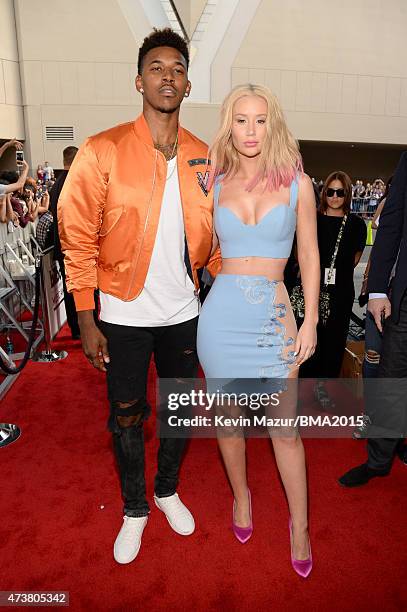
x,y
130,349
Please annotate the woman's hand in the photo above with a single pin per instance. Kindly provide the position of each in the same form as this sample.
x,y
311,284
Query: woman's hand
x,y
14,143
306,342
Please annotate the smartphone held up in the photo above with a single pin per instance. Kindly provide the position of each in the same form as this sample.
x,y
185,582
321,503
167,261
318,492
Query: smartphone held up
x,y
19,158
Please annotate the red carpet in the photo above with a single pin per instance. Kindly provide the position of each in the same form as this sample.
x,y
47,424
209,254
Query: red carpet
x,y
61,510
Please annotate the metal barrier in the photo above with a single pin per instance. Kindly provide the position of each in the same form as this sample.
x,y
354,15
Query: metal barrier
x,y
365,207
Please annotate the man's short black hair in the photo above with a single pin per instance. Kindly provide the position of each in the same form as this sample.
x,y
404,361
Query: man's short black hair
x,y
162,38
69,155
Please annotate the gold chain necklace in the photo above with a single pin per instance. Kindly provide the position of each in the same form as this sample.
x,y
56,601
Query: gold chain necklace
x,y
158,146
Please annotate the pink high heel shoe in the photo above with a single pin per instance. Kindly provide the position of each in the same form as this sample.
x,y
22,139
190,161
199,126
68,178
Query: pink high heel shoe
x,y
303,567
243,533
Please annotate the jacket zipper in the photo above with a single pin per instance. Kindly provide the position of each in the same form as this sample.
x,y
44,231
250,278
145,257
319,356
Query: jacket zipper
x,y
145,223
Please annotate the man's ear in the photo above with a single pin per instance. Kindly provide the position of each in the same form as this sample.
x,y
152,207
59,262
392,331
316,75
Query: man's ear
x,y
139,84
188,89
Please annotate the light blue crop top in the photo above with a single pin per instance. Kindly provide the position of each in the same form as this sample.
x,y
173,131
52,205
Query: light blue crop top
x,y
271,237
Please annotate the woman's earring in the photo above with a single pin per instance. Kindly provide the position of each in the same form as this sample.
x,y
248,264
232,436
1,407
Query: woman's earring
x,y
141,90
186,95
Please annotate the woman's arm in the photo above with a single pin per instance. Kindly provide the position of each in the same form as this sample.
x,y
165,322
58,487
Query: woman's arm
x,y
3,209
215,259
11,215
21,181
215,242
33,209
11,143
308,259
307,248
44,205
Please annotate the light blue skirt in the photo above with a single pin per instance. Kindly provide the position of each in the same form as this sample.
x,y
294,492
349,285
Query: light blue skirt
x,y
246,329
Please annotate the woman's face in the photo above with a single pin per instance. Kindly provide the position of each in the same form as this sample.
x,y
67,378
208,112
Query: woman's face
x,y
249,125
335,195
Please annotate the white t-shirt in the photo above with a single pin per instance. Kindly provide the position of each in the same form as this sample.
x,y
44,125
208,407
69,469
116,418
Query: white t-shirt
x,y
48,171
168,296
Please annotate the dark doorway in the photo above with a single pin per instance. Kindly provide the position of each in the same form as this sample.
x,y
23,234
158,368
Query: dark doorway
x,y
366,161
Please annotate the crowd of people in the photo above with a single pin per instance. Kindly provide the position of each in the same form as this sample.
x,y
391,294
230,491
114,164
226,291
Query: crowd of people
x,y
375,189
22,198
274,257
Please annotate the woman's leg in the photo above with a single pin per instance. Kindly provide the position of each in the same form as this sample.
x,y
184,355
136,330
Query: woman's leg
x,y
290,457
233,450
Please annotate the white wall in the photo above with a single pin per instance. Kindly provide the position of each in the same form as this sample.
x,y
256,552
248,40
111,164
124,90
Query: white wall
x,y
340,70
11,111
78,64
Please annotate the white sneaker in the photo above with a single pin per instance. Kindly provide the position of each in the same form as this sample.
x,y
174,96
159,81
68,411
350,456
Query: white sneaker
x,y
128,541
178,515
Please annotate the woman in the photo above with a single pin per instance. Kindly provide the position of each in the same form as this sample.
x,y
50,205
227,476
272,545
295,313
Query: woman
x,y
337,230
40,173
246,327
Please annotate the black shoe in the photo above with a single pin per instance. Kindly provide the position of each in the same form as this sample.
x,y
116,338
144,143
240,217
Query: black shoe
x,y
359,475
321,396
402,453
360,433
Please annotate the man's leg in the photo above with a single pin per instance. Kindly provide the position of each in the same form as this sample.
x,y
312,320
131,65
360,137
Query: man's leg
x,y
373,348
393,364
71,314
175,357
370,369
130,350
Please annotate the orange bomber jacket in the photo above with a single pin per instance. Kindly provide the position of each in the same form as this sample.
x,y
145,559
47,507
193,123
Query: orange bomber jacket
x,y
110,205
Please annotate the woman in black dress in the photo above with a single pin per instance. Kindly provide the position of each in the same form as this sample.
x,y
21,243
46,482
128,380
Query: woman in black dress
x,y
334,214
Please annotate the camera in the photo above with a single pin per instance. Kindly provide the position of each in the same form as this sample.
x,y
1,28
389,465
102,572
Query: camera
x,y
19,157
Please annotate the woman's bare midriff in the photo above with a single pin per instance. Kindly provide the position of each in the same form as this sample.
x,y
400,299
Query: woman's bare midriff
x,y
273,269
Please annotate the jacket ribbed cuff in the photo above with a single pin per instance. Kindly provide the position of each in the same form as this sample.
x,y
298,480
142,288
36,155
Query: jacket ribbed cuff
x,y
84,299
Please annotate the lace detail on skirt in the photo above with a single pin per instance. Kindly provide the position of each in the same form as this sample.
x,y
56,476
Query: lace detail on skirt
x,y
273,331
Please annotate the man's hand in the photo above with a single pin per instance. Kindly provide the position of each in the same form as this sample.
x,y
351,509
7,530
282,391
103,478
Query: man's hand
x,y
380,308
94,343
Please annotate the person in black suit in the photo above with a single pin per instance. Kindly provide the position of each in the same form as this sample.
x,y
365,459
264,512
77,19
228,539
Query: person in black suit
x,y
390,315
71,314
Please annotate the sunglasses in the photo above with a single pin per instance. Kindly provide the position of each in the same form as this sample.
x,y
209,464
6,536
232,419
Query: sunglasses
x,y
331,192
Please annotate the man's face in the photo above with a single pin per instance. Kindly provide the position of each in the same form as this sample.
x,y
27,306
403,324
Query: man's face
x,y
164,79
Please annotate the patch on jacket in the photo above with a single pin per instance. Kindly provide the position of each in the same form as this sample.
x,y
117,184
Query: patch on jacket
x,y
199,161
203,179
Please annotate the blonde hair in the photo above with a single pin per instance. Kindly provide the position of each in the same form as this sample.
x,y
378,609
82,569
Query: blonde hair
x,y
279,160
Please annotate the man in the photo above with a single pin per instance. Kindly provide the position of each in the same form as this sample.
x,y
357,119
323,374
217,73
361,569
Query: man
x,y
48,172
68,155
390,247
136,221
